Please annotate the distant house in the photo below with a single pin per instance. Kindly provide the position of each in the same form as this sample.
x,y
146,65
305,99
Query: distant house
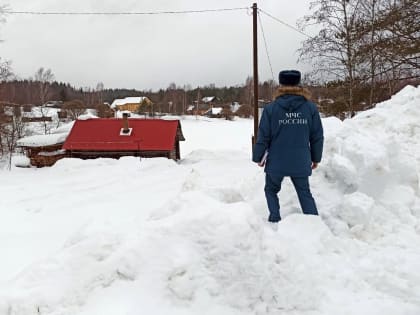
x,y
209,99
214,112
131,104
204,107
94,138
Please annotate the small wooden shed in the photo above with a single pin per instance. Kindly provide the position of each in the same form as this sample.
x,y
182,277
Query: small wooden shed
x,y
43,150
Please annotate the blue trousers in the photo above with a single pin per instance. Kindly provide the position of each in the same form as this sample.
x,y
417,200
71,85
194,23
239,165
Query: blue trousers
x,y
272,188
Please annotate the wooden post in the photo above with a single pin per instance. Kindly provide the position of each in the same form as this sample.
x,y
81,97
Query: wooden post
x,y
255,46
198,98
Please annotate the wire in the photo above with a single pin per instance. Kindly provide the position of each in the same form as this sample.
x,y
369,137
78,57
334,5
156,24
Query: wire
x,y
284,23
123,13
266,47
295,29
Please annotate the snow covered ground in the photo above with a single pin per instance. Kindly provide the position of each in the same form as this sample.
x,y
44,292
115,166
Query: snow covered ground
x,y
151,236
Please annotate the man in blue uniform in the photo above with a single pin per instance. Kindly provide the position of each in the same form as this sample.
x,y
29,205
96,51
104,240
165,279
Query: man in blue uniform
x,y
290,142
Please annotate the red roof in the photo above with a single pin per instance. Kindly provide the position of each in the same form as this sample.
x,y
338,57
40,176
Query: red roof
x,y
104,135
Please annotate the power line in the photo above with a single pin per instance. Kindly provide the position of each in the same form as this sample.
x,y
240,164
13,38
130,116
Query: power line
x,y
285,24
266,47
123,13
152,13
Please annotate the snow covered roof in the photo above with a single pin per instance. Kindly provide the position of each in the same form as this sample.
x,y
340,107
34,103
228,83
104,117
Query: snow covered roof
x,y
127,100
105,135
208,99
215,111
42,140
57,136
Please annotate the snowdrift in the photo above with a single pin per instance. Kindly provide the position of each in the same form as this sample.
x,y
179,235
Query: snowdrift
x,y
156,237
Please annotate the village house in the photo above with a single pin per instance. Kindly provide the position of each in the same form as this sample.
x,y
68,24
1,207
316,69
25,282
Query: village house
x,y
202,108
214,112
131,104
210,100
107,138
94,138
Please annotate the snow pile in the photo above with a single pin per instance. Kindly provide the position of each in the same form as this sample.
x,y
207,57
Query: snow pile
x,y
157,237
373,161
21,161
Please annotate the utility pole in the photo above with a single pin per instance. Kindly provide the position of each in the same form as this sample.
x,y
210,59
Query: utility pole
x,y
198,98
185,102
255,46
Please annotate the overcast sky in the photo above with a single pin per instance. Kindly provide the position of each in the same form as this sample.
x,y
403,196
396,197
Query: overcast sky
x,y
149,52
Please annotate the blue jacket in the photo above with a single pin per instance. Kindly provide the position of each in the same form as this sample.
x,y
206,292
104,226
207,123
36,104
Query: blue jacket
x,y
291,130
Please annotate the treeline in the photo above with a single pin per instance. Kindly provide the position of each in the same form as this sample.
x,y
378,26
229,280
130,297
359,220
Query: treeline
x,y
332,96
365,50
173,98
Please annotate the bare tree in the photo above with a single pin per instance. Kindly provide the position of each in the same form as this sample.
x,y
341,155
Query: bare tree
x,y
400,47
244,111
2,126
100,91
368,51
104,110
5,65
10,132
5,69
364,47
227,112
267,90
45,114
390,43
44,77
248,91
334,48
74,108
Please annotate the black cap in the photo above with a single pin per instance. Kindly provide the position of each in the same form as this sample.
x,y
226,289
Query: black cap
x,y
289,77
